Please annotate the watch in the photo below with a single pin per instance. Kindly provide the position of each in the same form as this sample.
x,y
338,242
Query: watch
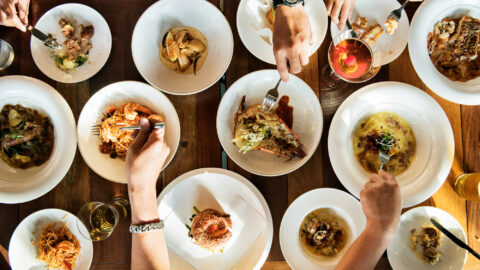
x,y
289,3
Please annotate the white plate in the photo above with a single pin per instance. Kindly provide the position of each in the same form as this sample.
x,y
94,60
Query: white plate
x,y
118,94
167,14
433,133
252,231
402,257
426,16
78,14
344,205
23,254
22,185
307,120
377,11
253,28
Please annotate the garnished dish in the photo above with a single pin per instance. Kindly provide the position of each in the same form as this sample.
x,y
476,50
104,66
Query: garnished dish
x,y
58,247
76,46
270,15
115,141
27,136
270,132
184,50
373,134
366,32
425,244
323,233
454,46
210,229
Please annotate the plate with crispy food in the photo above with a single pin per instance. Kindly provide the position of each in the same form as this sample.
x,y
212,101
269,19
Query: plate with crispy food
x,y
444,45
50,239
418,244
369,21
269,143
108,112
37,138
318,227
398,119
180,50
215,219
255,20
85,38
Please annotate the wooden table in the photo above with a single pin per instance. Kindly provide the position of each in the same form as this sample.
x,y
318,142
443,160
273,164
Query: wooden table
x,y
199,145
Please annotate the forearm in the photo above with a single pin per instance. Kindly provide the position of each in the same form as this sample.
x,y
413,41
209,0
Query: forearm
x,y
367,249
149,250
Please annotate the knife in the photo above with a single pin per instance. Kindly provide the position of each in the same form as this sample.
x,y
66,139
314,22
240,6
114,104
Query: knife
x,y
47,40
452,237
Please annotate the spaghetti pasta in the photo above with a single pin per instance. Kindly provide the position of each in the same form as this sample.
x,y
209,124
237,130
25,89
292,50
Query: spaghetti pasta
x,y
58,247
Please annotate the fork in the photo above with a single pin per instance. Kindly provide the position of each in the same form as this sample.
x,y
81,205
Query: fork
x,y
270,98
96,128
384,158
397,13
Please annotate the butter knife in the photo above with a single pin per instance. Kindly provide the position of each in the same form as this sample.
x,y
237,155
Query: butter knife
x,y
47,40
452,237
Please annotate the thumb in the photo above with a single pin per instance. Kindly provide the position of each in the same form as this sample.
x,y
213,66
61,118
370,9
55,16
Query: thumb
x,y
142,136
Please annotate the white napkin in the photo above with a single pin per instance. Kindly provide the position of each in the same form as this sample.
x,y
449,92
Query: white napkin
x,y
257,20
209,191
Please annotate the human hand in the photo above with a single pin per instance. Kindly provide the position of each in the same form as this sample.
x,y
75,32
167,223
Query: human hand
x,y
145,157
382,203
340,11
292,38
14,13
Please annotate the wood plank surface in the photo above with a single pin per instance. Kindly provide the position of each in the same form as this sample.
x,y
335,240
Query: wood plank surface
x,y
199,146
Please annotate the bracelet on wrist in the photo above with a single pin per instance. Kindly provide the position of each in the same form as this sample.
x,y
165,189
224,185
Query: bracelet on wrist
x,y
147,227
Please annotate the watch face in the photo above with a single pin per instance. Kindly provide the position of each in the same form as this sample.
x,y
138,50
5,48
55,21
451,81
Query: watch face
x,y
291,1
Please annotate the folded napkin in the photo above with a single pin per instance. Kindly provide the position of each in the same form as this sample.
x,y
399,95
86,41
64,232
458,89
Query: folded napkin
x,y
257,20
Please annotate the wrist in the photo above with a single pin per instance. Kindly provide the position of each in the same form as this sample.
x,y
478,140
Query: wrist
x,y
381,233
143,203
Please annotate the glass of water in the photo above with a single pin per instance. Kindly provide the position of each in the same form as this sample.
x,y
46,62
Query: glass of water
x,y
6,54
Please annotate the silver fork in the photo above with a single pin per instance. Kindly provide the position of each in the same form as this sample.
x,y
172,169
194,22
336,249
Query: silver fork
x,y
270,98
397,13
96,128
384,158
385,140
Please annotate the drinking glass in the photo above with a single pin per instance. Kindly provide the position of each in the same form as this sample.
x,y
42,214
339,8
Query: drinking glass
x,y
100,219
467,186
6,54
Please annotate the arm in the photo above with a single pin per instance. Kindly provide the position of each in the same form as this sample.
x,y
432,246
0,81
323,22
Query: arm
x,y
14,13
145,159
340,11
382,205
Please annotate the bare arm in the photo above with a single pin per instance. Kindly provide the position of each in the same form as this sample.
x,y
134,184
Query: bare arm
x,y
382,206
145,158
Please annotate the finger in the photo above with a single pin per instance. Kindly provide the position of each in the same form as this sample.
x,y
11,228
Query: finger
x,y
23,10
344,15
142,136
336,11
294,60
155,139
134,134
329,6
384,175
281,59
14,19
374,178
304,59
350,11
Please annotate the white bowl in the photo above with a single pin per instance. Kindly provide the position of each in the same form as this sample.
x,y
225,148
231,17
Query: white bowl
x,y
98,55
252,231
307,120
22,185
427,15
23,254
257,38
377,11
433,133
118,94
344,205
166,14
402,257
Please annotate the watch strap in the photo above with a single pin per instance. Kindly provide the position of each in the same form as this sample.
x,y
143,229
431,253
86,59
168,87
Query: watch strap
x,y
289,3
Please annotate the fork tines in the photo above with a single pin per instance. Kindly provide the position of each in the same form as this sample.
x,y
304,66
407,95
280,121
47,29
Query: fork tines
x,y
269,102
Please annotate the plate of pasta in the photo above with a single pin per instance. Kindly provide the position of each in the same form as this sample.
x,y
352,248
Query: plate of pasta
x,y
50,239
103,141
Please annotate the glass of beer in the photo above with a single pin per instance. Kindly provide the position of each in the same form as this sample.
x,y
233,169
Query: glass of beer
x,y
100,219
467,186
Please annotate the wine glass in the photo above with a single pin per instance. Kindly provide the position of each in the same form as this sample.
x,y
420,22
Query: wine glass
x,y
100,219
351,60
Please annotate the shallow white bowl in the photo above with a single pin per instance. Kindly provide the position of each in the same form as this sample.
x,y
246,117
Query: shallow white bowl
x,y
307,120
433,133
23,254
118,94
427,15
261,47
402,257
344,205
22,185
167,14
249,199
79,14
376,11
